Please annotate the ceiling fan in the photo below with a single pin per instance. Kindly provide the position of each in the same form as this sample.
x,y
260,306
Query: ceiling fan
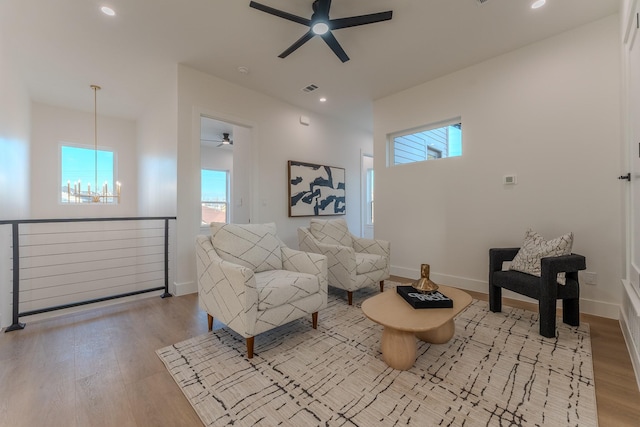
x,y
224,141
320,24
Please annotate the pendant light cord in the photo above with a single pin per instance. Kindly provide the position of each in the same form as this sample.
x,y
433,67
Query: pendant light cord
x,y
95,131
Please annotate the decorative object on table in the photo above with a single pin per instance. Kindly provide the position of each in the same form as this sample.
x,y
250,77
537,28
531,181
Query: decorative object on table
x,y
543,270
316,190
354,262
433,299
424,284
326,375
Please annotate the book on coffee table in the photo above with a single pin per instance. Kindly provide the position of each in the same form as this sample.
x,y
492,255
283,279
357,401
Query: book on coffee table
x,y
423,300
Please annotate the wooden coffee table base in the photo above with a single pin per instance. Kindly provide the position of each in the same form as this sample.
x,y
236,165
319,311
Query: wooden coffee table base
x,y
439,335
402,324
399,348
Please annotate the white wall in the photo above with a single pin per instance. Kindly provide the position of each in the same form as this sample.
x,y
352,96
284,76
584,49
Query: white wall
x,y
14,166
51,126
277,136
216,158
157,154
241,178
550,113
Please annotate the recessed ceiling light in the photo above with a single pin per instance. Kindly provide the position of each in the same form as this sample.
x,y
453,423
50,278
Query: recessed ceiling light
x,y
323,99
538,3
108,11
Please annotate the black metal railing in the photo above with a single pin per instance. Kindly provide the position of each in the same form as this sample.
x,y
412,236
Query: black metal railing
x,y
16,245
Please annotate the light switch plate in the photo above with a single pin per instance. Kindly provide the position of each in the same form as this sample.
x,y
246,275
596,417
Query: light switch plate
x,y
510,180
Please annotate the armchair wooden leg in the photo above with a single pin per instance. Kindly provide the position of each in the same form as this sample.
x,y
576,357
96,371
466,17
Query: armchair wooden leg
x,y
314,319
350,297
381,285
250,347
210,322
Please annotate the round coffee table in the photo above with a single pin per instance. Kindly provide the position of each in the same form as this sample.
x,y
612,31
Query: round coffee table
x,y
403,323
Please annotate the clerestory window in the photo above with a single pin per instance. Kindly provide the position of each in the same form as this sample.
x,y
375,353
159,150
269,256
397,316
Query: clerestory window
x,y
434,141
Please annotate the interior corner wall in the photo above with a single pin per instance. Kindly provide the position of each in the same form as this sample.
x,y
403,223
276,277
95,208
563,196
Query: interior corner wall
x,y
157,154
51,126
15,147
277,136
548,113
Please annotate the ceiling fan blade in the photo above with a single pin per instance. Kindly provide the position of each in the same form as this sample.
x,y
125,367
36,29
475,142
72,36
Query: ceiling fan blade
x,y
354,21
335,46
302,40
280,13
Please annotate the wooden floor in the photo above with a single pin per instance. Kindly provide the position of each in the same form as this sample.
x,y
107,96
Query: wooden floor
x,y
100,368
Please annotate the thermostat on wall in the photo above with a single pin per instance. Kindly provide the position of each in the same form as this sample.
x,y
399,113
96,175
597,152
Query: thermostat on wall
x,y
509,180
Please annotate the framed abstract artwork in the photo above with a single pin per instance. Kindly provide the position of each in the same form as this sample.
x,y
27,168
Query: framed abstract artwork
x,y
316,190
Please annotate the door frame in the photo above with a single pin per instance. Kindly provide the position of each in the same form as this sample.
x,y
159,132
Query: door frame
x,y
364,228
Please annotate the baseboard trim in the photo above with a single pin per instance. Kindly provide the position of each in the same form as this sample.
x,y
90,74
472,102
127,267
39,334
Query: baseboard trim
x,y
184,288
593,307
628,339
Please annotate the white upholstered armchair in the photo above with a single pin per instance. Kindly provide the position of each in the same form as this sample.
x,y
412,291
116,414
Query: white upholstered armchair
x,y
354,262
252,282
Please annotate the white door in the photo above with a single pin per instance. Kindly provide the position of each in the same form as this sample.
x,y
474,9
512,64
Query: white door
x,y
634,150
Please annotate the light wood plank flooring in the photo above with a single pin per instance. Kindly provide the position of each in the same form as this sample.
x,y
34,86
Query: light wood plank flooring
x,y
99,368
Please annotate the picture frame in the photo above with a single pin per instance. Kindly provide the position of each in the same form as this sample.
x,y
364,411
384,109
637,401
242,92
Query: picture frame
x,y
316,190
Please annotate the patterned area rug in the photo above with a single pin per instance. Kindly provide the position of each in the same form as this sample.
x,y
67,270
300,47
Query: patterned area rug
x,y
496,371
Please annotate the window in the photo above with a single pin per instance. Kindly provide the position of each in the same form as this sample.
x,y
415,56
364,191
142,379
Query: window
x,y
214,197
369,217
436,141
78,176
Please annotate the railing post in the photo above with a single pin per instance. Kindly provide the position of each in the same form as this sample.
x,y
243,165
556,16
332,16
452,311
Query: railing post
x,y
16,325
166,259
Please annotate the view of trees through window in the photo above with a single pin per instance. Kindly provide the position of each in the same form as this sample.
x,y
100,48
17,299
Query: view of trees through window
x,y
428,143
214,196
78,173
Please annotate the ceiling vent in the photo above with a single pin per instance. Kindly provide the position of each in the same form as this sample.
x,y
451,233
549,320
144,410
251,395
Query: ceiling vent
x,y
310,88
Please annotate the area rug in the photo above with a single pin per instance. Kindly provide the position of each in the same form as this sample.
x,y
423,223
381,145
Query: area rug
x,y
496,371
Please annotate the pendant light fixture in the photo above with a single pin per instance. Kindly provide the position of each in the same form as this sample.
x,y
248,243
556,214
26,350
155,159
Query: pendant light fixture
x,y
96,196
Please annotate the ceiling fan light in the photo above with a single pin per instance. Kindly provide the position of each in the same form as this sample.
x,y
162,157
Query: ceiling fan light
x,y
108,11
320,28
538,3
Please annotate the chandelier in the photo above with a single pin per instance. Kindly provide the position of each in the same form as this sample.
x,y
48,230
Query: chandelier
x,y
98,195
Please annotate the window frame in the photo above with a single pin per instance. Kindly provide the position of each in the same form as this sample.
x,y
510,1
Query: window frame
x,y
369,215
431,153
226,203
92,148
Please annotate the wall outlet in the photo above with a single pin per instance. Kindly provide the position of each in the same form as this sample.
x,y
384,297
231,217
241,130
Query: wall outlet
x,y
590,278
